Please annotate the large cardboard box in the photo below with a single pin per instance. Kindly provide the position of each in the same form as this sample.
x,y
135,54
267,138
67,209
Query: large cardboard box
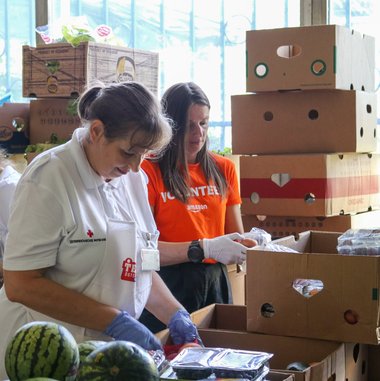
x,y
223,325
282,226
61,70
14,126
281,299
52,116
310,57
324,121
309,185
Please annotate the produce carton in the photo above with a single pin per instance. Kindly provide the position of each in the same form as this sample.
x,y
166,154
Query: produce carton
x,y
224,326
61,70
282,226
309,185
314,293
14,125
217,323
52,116
324,121
309,58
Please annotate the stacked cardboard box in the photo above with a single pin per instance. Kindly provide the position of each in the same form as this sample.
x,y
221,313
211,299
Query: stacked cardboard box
x,y
306,135
306,130
56,74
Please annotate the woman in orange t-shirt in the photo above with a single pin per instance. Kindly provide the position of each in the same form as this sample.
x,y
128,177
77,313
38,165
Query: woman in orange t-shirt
x,y
195,200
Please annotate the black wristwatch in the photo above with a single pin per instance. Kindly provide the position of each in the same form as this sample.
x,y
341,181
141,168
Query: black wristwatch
x,y
195,252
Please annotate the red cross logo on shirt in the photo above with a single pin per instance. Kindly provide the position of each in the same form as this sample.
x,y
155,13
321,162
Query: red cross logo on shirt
x,y
90,233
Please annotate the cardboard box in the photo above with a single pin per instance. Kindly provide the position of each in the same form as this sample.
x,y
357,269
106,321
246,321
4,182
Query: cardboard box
x,y
237,281
282,226
217,329
223,325
52,115
323,121
60,70
309,185
14,116
310,57
345,309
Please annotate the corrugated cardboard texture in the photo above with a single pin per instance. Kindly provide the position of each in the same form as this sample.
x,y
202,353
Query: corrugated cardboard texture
x,y
281,226
310,57
52,116
350,284
324,121
60,70
309,185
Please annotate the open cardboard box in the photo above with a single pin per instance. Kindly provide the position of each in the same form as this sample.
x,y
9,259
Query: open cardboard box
x,y
282,226
345,309
225,326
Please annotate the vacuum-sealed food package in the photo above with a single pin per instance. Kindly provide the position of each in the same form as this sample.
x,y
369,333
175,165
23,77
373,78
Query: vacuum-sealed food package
x,y
208,363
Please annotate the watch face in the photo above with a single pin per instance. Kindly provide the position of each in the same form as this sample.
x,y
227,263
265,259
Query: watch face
x,y
195,253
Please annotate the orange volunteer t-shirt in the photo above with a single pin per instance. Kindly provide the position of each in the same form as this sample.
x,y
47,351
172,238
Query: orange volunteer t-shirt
x,y
204,214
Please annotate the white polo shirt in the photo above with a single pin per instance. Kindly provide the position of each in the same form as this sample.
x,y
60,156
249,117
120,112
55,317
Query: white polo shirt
x,y
9,178
58,218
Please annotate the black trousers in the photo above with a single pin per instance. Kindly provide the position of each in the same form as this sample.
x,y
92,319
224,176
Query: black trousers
x,y
194,285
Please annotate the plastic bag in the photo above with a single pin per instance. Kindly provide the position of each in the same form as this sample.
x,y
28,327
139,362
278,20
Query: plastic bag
x,y
359,242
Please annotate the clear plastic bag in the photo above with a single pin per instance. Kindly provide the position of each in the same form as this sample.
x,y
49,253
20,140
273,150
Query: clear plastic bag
x,y
359,242
259,235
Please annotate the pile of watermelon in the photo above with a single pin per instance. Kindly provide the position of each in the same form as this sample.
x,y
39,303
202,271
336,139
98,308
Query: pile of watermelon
x,y
46,351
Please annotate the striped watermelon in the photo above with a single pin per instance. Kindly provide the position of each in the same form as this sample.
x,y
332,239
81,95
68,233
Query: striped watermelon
x,y
86,347
118,361
42,349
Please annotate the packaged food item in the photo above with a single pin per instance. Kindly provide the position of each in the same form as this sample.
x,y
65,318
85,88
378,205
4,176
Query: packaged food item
x,y
359,242
210,363
259,235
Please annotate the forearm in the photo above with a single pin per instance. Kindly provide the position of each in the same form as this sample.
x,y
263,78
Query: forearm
x,y
161,302
173,253
52,299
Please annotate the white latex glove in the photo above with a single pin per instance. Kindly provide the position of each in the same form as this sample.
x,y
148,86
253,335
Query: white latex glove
x,y
224,249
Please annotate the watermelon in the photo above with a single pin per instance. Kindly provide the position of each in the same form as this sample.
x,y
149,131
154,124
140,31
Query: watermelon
x,y
118,361
42,349
86,347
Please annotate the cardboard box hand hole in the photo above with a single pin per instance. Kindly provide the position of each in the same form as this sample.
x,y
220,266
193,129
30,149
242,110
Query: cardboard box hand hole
x,y
289,51
351,316
308,287
267,310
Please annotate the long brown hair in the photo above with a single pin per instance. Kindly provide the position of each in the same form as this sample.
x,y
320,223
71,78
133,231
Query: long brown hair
x,y
176,102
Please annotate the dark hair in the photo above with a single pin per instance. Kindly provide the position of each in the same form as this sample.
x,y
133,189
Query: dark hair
x,y
125,108
176,102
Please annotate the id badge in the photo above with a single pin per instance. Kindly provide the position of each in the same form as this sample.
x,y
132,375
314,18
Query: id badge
x,y
150,259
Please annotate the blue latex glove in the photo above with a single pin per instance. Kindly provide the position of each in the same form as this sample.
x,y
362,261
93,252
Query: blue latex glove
x,y
182,329
125,327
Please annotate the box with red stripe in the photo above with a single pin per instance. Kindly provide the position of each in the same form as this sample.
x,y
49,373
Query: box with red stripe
x,y
309,184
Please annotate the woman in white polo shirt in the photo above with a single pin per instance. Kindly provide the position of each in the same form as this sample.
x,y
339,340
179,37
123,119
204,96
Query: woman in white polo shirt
x,y
82,241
